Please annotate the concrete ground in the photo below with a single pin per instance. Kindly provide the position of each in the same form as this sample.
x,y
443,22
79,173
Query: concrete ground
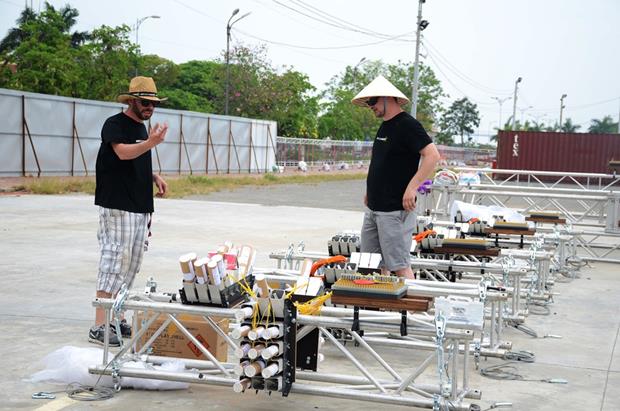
x,y
48,258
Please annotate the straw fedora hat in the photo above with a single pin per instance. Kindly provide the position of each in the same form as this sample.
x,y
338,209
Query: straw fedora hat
x,y
142,88
379,87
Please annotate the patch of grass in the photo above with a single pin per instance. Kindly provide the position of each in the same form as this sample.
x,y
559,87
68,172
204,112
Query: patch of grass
x,y
61,185
183,186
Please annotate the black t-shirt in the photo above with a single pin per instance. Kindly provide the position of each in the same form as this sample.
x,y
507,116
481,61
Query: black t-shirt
x,y
394,162
123,184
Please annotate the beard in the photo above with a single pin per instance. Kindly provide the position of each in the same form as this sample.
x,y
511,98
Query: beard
x,y
141,112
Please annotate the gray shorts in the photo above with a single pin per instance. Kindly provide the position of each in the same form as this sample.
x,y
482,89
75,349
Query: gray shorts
x,y
389,233
122,237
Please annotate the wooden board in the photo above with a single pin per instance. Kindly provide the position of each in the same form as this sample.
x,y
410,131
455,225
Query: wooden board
x,y
409,303
489,252
509,231
546,220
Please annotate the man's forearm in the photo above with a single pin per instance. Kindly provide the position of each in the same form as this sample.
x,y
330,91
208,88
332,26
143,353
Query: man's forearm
x,y
131,151
427,166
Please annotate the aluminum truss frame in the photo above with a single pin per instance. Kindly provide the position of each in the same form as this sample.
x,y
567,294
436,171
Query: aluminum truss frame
x,y
448,394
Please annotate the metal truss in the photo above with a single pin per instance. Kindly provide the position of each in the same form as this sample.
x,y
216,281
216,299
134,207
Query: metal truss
x,y
390,385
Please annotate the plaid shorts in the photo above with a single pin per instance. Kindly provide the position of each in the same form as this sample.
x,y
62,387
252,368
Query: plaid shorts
x,y
389,233
122,236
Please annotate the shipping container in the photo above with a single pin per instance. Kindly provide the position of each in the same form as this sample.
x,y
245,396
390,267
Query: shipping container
x,y
550,151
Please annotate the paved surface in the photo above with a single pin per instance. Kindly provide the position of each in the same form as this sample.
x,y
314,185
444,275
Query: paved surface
x,y
48,257
340,195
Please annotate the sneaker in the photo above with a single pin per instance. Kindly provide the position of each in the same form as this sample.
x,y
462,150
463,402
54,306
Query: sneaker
x,y
125,328
96,335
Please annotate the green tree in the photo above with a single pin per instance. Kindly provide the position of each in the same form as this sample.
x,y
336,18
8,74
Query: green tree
x,y
43,50
198,87
51,59
460,119
165,72
106,63
569,127
604,126
259,90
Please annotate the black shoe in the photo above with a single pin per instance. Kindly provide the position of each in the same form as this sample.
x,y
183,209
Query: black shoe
x,y
96,334
125,329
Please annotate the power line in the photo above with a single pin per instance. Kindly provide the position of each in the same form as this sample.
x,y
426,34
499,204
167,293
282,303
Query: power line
x,y
340,23
350,46
462,75
305,54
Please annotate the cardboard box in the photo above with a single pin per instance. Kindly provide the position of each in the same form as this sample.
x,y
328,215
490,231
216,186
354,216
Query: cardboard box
x,y
173,343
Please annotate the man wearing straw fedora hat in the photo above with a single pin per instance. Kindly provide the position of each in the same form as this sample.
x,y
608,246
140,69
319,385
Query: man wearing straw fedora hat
x,y
124,194
403,156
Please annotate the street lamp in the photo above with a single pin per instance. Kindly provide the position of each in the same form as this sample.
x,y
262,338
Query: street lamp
x,y
500,101
514,103
138,23
228,27
562,107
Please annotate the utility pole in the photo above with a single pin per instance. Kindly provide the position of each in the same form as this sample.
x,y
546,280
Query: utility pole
x,y
421,25
514,103
562,107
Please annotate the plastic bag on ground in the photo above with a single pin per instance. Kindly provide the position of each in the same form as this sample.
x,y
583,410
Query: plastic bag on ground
x,y
70,365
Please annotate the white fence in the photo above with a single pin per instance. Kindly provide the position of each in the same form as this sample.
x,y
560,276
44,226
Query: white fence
x,y
50,135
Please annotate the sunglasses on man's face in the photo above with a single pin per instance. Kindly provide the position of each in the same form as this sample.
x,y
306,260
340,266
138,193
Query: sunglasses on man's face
x,y
372,101
148,103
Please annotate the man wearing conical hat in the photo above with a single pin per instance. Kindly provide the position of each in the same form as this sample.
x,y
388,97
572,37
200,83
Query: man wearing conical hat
x,y
124,194
403,156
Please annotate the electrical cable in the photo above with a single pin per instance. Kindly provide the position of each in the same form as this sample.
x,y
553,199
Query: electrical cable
x,y
463,76
539,308
350,46
507,371
520,356
81,392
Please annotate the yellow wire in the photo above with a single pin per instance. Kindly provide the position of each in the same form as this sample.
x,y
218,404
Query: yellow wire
x,y
312,307
290,293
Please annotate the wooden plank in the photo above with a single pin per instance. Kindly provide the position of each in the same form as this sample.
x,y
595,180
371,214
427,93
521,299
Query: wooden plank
x,y
546,220
409,303
489,252
509,231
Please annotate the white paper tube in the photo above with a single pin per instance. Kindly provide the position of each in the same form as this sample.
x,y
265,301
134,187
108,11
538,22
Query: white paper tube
x,y
270,352
214,273
254,352
261,283
186,261
238,369
243,350
242,385
270,370
255,334
247,312
271,332
239,332
254,368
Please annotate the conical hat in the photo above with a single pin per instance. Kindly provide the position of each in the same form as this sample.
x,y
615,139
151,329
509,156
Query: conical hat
x,y
379,87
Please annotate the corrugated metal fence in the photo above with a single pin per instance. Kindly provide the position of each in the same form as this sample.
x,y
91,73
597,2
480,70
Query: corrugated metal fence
x,y
50,135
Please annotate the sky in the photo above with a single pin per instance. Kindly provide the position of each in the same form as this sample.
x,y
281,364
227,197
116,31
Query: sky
x,y
477,48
